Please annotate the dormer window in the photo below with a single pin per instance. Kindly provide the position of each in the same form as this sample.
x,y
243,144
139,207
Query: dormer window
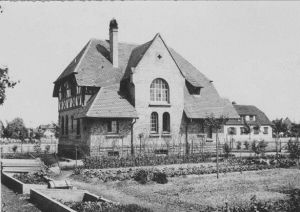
x,y
192,89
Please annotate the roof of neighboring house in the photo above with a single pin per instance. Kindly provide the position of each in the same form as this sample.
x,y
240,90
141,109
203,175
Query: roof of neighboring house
x,y
108,103
244,110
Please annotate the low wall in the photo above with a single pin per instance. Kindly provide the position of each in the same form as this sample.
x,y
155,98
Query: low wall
x,y
17,185
47,199
46,203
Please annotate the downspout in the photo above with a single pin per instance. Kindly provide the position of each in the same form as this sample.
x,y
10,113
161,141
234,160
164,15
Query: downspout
x,y
131,139
186,138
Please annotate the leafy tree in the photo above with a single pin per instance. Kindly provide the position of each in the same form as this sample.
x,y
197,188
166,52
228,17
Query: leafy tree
x,y
279,126
295,130
5,83
259,148
294,149
16,129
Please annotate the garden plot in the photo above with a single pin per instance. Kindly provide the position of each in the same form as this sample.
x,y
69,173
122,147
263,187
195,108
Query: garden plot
x,y
23,182
77,200
196,193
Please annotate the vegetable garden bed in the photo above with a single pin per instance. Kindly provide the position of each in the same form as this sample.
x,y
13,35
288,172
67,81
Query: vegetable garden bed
x,y
16,185
77,200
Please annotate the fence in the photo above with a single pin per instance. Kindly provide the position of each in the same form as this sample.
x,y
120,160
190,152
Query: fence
x,y
26,148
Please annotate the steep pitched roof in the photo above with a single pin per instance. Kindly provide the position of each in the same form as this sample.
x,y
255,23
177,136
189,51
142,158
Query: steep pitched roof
x,y
107,103
243,110
92,66
199,107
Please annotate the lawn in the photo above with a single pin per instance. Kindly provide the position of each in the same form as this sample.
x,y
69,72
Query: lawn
x,y
194,193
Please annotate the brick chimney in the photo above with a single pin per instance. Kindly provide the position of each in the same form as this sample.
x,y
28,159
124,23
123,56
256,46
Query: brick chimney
x,y
113,42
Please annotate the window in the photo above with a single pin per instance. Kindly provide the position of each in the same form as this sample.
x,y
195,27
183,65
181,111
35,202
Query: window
x,y
113,127
72,123
251,118
154,123
166,122
231,131
62,127
67,125
256,130
266,130
68,89
159,91
243,130
192,89
210,132
78,127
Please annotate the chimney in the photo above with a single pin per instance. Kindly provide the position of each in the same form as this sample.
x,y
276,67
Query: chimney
x,y
113,42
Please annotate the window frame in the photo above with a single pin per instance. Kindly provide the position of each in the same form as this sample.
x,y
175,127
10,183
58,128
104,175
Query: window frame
x,y
166,129
159,91
110,129
154,123
67,125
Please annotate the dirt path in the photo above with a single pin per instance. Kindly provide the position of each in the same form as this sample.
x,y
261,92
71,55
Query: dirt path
x,y
12,202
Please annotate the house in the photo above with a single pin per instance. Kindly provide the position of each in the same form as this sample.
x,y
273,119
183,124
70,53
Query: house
x,y
48,130
115,98
253,124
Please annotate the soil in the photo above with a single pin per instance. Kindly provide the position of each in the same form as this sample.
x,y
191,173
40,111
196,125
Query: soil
x,y
194,193
12,202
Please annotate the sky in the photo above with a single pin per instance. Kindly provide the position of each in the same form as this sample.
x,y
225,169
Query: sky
x,y
251,50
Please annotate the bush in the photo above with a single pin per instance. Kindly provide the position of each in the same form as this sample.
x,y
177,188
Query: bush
x,y
34,178
141,176
160,177
246,144
47,149
14,148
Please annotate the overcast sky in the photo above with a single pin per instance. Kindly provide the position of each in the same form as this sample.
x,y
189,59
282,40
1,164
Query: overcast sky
x,y
251,50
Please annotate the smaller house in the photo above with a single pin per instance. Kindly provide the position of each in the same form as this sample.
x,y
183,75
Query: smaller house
x,y
48,130
253,124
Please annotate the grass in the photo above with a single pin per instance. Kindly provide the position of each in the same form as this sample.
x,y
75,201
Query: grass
x,y
195,193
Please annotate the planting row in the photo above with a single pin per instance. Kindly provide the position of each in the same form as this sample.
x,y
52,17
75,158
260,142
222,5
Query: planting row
x,y
146,160
130,173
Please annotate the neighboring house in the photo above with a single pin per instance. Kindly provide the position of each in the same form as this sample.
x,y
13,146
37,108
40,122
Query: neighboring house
x,y
48,131
114,95
251,118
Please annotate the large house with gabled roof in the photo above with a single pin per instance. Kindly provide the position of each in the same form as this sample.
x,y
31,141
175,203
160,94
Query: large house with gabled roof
x,y
115,98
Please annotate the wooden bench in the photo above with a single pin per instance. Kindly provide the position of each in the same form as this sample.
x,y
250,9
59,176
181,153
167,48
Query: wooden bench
x,y
21,165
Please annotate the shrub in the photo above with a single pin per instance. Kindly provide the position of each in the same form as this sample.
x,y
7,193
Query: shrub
x,y
14,148
246,144
47,149
239,145
37,148
141,176
160,177
227,150
33,178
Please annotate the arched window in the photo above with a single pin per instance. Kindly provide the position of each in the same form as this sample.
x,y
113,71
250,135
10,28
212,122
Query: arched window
x,y
166,122
159,91
67,125
154,123
62,127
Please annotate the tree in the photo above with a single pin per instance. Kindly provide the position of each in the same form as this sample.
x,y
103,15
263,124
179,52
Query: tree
x,y
295,130
216,124
294,150
278,126
5,83
16,129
